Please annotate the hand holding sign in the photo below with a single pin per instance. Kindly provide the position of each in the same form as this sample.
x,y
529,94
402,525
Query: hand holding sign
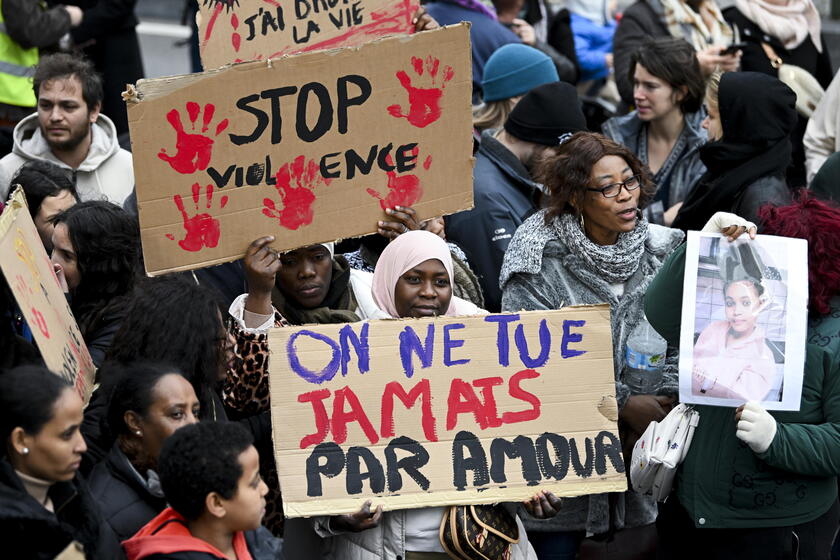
x,y
362,520
544,505
261,265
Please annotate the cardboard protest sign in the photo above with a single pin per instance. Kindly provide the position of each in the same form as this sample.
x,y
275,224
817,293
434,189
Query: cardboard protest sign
x,y
309,148
744,321
449,410
30,275
244,30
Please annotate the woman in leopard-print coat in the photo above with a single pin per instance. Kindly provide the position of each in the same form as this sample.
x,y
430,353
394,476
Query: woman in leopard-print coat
x,y
246,392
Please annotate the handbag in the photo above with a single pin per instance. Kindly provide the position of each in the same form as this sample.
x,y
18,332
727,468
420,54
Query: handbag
x,y
479,532
660,450
808,90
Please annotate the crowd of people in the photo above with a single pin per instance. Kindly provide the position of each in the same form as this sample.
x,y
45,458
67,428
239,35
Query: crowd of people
x,y
600,137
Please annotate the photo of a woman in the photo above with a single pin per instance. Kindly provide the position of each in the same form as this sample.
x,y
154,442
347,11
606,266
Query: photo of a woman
x,y
731,358
743,338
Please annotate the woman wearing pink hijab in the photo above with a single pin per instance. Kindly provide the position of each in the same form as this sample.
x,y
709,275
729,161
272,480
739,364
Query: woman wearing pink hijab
x,y
414,277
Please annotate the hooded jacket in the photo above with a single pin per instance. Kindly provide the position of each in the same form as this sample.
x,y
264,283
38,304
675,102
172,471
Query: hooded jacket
x,y
167,537
504,196
106,173
29,531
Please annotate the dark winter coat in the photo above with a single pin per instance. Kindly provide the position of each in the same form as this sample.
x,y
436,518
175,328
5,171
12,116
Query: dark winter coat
x,y
123,496
30,531
504,196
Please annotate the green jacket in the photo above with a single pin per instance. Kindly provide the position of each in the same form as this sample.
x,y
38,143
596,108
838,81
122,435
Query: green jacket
x,y
722,483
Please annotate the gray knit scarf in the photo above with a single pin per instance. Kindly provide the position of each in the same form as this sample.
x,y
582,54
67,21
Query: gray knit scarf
x,y
614,263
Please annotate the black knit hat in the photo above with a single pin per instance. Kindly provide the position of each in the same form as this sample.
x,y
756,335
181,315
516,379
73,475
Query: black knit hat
x,y
546,113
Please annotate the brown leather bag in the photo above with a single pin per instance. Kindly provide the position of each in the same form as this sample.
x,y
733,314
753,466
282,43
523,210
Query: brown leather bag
x,y
483,532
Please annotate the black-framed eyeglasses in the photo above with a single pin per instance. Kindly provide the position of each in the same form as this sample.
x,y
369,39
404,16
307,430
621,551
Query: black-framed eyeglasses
x,y
612,190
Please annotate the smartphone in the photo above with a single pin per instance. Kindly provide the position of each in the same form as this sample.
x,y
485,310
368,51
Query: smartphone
x,y
733,48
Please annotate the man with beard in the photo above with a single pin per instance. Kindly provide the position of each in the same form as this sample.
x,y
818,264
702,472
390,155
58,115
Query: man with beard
x,y
69,131
504,192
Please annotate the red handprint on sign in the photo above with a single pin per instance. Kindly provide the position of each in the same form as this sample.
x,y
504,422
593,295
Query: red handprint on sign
x,y
423,103
41,322
202,230
297,200
193,149
403,190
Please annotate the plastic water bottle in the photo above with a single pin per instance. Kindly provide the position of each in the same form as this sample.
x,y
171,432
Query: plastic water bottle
x,y
645,356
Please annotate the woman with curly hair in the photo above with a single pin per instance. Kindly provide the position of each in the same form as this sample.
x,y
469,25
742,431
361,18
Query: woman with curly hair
x,y
758,484
172,320
96,255
590,245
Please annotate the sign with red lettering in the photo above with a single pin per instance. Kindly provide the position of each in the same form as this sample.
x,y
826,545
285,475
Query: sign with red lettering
x,y
309,148
30,275
450,410
244,30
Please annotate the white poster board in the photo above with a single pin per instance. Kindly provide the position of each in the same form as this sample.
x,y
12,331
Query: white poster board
x,y
744,321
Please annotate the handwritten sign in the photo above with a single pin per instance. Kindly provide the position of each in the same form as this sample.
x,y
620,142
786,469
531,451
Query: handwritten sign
x,y
309,148
452,410
30,275
244,30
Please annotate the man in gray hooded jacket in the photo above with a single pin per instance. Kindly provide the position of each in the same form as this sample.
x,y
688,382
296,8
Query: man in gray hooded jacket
x,y
68,130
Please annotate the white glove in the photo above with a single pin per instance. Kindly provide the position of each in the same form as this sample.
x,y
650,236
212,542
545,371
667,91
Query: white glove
x,y
724,220
756,428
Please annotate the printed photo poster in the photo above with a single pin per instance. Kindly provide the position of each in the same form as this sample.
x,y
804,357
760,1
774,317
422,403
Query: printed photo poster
x,y
744,321
245,30
308,148
448,410
30,275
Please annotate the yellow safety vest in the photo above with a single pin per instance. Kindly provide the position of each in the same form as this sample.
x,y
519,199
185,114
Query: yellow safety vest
x,y
16,68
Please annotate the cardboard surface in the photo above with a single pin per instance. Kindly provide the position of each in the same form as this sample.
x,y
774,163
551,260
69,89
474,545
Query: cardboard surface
x,y
388,122
244,30
484,409
30,275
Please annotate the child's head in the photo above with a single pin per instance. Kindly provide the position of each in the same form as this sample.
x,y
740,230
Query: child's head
x,y
211,470
744,301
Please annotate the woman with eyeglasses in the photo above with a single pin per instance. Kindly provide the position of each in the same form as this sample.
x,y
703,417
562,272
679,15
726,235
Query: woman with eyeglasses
x,y
590,245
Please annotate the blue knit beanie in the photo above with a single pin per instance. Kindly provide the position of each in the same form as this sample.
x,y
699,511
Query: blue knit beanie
x,y
515,69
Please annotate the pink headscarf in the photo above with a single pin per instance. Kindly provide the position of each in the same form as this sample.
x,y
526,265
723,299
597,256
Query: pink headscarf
x,y
407,251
